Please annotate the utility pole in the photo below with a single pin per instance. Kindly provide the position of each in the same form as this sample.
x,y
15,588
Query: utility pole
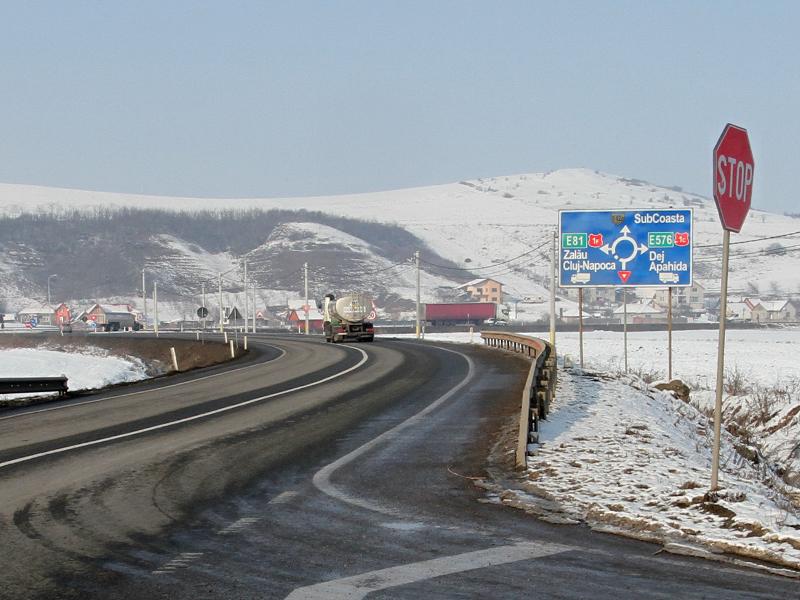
x,y
254,306
305,277
221,328
245,294
416,260
155,307
553,294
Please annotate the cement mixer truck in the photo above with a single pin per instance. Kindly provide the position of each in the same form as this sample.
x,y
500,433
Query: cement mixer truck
x,y
344,319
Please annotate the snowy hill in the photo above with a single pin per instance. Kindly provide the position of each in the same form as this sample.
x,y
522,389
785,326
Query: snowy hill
x,y
480,225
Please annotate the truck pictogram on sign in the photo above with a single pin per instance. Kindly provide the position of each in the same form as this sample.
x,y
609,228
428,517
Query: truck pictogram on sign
x,y
625,248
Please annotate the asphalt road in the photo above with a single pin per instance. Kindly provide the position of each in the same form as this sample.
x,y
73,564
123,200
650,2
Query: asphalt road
x,y
309,471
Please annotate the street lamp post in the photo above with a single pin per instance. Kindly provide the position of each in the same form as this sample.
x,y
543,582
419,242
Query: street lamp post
x,y
49,277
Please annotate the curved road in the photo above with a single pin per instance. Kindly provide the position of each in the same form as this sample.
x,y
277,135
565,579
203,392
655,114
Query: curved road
x,y
307,470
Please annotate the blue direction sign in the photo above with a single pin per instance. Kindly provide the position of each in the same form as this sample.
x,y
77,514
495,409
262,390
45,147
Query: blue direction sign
x,y
621,248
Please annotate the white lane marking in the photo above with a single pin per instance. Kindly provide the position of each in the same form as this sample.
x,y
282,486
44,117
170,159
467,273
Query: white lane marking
x,y
239,525
284,498
156,389
182,561
353,588
322,478
217,411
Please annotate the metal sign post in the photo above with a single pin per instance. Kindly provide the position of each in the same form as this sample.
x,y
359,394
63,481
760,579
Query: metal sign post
x,y
669,334
553,284
625,324
734,169
580,322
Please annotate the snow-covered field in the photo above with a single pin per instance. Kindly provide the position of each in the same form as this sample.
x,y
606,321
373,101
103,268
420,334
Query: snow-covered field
x,y
624,457
766,356
83,370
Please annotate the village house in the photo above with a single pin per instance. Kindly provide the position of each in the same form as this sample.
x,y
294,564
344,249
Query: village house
x,y
297,319
692,298
484,290
41,314
594,296
640,312
772,311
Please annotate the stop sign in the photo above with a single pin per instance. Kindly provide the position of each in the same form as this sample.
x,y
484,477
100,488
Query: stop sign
x,y
733,177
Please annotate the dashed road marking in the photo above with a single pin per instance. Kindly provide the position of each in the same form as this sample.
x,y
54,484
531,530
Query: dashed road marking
x,y
239,525
284,498
182,561
354,588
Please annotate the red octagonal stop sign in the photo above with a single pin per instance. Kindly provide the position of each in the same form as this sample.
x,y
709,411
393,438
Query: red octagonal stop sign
x,y
733,177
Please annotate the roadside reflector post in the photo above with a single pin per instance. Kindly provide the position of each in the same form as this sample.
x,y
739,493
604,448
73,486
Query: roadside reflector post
x,y
470,334
233,351
226,337
245,342
174,358
197,335
580,322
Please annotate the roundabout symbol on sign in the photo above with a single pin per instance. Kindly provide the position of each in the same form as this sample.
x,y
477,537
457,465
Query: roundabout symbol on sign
x,y
636,249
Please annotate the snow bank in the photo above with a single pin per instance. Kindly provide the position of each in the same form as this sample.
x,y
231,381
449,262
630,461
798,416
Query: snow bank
x,y
94,368
638,462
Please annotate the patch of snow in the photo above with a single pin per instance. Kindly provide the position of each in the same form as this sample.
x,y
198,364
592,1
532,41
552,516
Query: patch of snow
x,y
85,370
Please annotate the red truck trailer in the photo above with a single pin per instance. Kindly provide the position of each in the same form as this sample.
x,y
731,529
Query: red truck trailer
x,y
459,313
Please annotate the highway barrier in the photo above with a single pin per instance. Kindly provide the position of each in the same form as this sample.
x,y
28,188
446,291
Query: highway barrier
x,y
539,387
27,385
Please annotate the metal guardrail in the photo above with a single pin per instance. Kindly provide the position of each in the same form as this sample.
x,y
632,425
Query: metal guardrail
x,y
539,388
28,385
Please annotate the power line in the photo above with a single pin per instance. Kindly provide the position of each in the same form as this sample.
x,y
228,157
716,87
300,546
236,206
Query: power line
x,y
481,267
771,237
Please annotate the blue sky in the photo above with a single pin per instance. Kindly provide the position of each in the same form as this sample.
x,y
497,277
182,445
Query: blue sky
x,y
302,98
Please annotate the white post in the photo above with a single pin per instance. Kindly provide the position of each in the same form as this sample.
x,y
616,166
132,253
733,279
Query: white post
x,y
155,307
174,358
221,327
233,352
226,336
197,335
470,334
305,277
245,342
553,293
416,260
203,320
144,298
723,313
254,307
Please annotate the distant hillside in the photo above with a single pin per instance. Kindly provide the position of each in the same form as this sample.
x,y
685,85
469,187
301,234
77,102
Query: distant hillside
x,y
499,227
101,253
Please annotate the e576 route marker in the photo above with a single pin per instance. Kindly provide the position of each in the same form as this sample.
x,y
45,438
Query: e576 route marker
x,y
734,169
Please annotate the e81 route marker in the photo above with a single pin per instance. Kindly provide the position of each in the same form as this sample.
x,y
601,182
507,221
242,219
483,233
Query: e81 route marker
x,y
625,248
